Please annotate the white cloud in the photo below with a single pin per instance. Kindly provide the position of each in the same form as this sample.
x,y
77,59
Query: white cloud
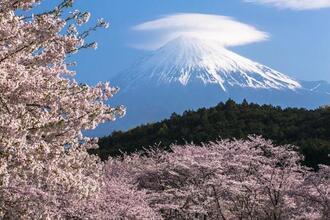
x,y
223,30
295,4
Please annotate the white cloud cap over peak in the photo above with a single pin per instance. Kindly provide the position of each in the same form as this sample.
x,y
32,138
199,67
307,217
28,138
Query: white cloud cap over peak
x,y
295,4
220,29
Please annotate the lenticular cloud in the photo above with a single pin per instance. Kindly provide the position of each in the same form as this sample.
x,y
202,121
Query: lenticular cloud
x,y
220,29
295,4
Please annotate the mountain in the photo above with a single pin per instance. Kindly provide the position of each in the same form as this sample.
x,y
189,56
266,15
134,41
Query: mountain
x,y
187,60
189,73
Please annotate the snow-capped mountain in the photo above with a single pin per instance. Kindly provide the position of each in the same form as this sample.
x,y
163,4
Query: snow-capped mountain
x,y
185,60
187,73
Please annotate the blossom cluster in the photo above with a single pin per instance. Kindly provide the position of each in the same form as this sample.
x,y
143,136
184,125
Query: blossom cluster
x,y
45,170
240,179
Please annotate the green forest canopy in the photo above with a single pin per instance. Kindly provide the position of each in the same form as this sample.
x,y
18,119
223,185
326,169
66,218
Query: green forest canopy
x,y
307,129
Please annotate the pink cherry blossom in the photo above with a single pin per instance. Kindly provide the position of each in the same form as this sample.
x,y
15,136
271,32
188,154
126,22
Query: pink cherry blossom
x,y
45,170
251,179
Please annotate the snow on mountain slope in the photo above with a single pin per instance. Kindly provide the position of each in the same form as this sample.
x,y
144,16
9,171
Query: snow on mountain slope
x,y
185,60
187,73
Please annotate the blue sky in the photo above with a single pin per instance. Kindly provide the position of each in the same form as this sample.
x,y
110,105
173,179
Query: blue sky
x,y
298,45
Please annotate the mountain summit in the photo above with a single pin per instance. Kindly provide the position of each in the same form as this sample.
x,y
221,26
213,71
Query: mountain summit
x,y
189,73
186,59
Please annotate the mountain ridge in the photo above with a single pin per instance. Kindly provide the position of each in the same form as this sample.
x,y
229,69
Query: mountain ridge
x,y
190,74
187,59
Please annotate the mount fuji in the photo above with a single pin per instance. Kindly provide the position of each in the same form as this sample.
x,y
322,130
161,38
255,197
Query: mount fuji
x,y
189,73
187,60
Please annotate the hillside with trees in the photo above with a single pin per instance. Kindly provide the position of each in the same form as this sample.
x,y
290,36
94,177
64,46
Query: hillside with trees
x,y
307,129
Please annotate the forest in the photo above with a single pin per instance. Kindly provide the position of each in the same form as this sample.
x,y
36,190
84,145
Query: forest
x,y
307,129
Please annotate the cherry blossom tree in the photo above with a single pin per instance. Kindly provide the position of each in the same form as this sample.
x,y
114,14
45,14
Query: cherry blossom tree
x,y
45,170
230,180
314,194
121,199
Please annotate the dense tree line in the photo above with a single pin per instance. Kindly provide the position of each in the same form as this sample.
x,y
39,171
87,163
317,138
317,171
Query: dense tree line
x,y
307,129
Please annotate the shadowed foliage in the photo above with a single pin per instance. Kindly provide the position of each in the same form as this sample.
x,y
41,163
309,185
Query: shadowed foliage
x,y
308,129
